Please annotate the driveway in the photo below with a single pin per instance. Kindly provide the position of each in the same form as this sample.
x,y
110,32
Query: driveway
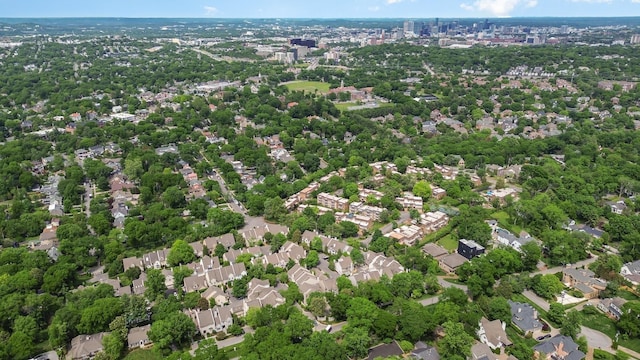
x,y
558,269
445,284
536,299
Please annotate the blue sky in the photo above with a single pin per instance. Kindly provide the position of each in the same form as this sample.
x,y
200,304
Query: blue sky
x,y
318,8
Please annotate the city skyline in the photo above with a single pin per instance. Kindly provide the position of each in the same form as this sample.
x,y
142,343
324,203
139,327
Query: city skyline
x,y
326,9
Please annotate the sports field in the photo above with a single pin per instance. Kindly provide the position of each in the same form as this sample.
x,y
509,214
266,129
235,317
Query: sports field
x,y
308,86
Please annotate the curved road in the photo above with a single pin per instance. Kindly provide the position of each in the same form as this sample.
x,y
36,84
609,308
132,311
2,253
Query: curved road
x,y
596,339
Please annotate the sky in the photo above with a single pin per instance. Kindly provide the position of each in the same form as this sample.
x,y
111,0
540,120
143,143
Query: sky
x,y
410,9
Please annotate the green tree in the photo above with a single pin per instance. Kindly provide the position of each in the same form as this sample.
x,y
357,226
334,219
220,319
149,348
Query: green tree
x,y
181,253
556,313
361,313
177,330
422,189
155,284
571,324
312,260
531,255
274,209
456,344
356,341
298,327
20,346
499,309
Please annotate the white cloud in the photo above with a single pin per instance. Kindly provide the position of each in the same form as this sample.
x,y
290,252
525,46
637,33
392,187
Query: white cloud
x,y
593,1
635,1
210,10
377,8
389,2
499,8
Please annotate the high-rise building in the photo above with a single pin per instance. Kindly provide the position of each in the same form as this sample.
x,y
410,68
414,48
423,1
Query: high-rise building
x,y
409,26
635,39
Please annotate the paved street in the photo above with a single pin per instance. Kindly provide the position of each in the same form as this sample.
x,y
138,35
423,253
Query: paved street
x,y
430,301
536,299
557,269
596,339
445,284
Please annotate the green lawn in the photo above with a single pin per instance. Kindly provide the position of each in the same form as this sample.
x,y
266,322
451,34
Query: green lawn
x,y
230,352
308,86
602,323
504,220
143,355
599,322
448,242
628,295
345,106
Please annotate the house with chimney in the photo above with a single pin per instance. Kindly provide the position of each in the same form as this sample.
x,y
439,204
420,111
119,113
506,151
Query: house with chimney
x,y
492,333
524,317
559,347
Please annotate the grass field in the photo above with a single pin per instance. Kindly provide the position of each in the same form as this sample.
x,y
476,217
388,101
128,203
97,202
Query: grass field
x,y
345,106
143,355
505,223
308,86
627,295
448,242
602,323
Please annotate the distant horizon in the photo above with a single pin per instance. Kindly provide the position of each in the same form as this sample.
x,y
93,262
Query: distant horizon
x,y
327,9
318,17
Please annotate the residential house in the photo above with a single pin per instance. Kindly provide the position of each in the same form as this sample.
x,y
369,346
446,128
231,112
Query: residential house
x,y
309,283
344,266
260,294
434,250
363,222
257,233
293,251
333,202
618,207
492,333
559,347
438,193
227,240
481,351
138,337
155,259
130,262
198,248
406,234
422,351
382,265
506,238
410,201
225,274
631,272
211,320
433,221
612,306
216,293
85,347
469,248
195,283
385,351
583,280
138,284
450,263
374,212
524,317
